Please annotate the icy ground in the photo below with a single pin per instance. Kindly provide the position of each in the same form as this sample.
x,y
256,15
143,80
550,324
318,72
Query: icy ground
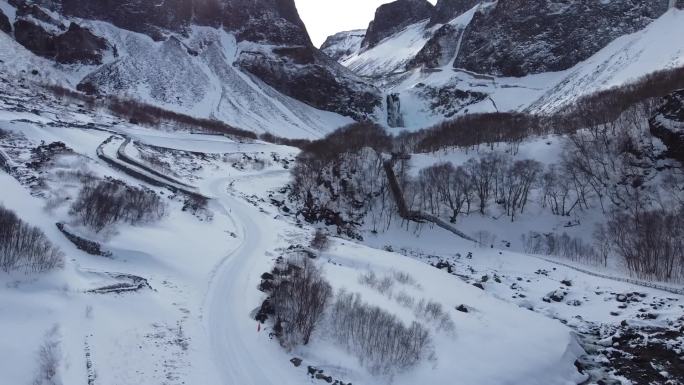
x,y
193,276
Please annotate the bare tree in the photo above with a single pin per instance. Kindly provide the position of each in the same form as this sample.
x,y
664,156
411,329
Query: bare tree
x,y
299,300
25,248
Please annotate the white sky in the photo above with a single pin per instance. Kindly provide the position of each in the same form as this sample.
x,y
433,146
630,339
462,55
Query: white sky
x,y
326,17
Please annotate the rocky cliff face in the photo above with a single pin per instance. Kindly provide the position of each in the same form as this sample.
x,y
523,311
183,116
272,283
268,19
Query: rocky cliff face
x,y
5,25
343,44
277,50
520,37
392,17
446,10
48,37
668,125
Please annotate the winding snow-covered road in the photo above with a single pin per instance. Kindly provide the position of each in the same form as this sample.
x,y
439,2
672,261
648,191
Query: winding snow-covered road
x,y
242,356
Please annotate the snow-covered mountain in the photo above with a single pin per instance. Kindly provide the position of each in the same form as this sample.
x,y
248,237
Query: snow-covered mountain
x,y
342,44
448,64
252,66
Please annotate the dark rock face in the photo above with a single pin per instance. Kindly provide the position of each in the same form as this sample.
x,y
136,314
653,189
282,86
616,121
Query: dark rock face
x,y
391,18
5,25
440,48
76,45
446,10
79,45
668,125
520,37
317,85
295,68
343,44
275,21
34,38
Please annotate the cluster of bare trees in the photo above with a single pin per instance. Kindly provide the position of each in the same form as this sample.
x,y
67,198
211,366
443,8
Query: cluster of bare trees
x,y
138,112
650,242
101,203
299,300
493,177
380,341
24,247
563,245
339,179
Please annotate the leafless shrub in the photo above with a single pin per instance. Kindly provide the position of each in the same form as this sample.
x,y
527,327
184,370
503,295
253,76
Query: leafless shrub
x,y
49,357
651,243
404,278
433,312
383,285
485,238
105,202
299,301
320,241
404,300
24,247
381,342
562,245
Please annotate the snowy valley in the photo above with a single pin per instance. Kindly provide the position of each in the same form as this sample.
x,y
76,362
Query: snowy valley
x,y
194,194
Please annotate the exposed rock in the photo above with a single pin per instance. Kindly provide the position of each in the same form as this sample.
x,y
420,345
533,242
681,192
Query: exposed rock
x,y
462,308
520,37
5,25
34,38
446,10
668,125
439,49
555,296
342,44
76,45
296,362
321,83
79,45
393,17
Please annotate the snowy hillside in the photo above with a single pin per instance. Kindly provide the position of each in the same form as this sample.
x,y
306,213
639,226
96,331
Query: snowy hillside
x,y
182,289
429,96
202,71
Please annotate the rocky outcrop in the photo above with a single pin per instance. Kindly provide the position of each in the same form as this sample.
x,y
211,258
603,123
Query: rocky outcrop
x,y
282,56
314,79
446,10
343,44
520,37
439,49
79,45
668,125
76,45
393,17
5,25
34,38
275,21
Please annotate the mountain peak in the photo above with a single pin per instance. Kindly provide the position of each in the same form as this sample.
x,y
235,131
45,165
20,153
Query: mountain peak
x,y
392,17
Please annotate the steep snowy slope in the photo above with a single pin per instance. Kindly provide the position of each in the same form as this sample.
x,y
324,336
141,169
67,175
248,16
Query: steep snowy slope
x,y
428,96
625,59
343,44
246,72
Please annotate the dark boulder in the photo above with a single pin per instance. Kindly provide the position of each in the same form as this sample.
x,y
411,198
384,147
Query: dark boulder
x,y
76,45
393,17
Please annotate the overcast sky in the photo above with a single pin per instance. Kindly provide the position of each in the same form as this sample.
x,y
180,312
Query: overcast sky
x,y
326,17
